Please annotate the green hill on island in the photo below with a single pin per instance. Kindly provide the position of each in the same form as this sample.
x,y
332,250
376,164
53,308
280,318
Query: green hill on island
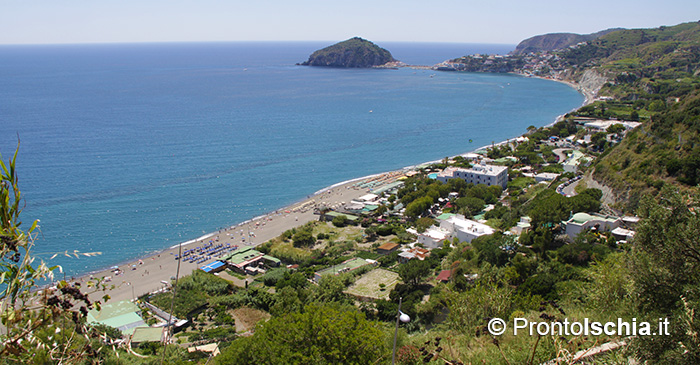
x,y
554,41
352,53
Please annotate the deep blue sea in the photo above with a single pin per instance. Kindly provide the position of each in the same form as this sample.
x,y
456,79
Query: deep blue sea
x,y
127,149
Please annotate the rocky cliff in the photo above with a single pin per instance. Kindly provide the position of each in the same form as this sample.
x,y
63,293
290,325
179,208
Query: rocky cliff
x,y
352,53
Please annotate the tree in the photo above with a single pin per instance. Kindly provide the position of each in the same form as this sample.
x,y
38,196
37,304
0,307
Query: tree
x,y
414,271
330,289
666,272
599,140
303,238
424,223
616,128
320,334
419,206
492,248
548,208
340,221
470,206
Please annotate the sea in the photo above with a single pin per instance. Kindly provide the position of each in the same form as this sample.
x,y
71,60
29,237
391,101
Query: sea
x,y
128,149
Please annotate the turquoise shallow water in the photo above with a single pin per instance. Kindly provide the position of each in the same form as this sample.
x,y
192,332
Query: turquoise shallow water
x,y
128,149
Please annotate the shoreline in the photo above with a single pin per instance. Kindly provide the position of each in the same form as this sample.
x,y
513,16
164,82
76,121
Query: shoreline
x,y
150,272
153,271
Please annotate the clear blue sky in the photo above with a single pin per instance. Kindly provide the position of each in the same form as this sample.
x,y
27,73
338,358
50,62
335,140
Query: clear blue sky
x,y
467,21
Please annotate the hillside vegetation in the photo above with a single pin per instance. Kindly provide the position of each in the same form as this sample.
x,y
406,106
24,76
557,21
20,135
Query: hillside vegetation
x,y
654,78
555,41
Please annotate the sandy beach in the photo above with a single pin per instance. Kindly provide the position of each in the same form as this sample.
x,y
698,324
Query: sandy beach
x,y
154,272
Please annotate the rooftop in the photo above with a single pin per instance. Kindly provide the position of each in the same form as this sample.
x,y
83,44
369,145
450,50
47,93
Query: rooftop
x,y
239,257
582,217
212,266
349,216
123,315
487,170
435,233
444,275
470,225
445,216
388,246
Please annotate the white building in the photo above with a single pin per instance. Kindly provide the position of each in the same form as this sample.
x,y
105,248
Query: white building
x,y
583,221
603,125
433,237
542,176
478,174
465,229
524,224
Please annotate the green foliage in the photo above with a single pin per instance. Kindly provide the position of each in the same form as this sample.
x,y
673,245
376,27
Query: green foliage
x,y
471,309
585,248
321,334
194,292
414,271
295,280
666,271
303,238
272,276
340,221
609,286
469,206
496,249
331,287
418,207
424,223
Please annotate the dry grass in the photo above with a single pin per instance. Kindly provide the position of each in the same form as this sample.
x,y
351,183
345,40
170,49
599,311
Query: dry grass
x,y
246,318
368,284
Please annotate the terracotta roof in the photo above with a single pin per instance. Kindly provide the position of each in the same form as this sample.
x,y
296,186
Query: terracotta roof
x,y
388,246
444,275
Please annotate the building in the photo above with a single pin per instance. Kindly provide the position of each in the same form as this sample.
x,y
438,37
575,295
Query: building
x,y
622,234
546,177
575,159
522,226
345,266
444,276
603,125
580,222
478,174
123,315
387,248
433,237
248,260
465,229
413,253
214,267
328,216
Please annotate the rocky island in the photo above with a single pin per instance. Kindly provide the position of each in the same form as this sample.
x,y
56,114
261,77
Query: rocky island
x,y
352,53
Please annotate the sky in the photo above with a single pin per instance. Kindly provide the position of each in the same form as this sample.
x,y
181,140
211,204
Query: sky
x,y
466,21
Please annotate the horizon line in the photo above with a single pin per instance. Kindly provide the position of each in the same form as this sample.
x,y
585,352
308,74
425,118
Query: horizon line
x,y
235,41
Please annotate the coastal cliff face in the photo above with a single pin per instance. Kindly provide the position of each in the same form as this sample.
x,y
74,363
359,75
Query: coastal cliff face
x,y
352,53
591,82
